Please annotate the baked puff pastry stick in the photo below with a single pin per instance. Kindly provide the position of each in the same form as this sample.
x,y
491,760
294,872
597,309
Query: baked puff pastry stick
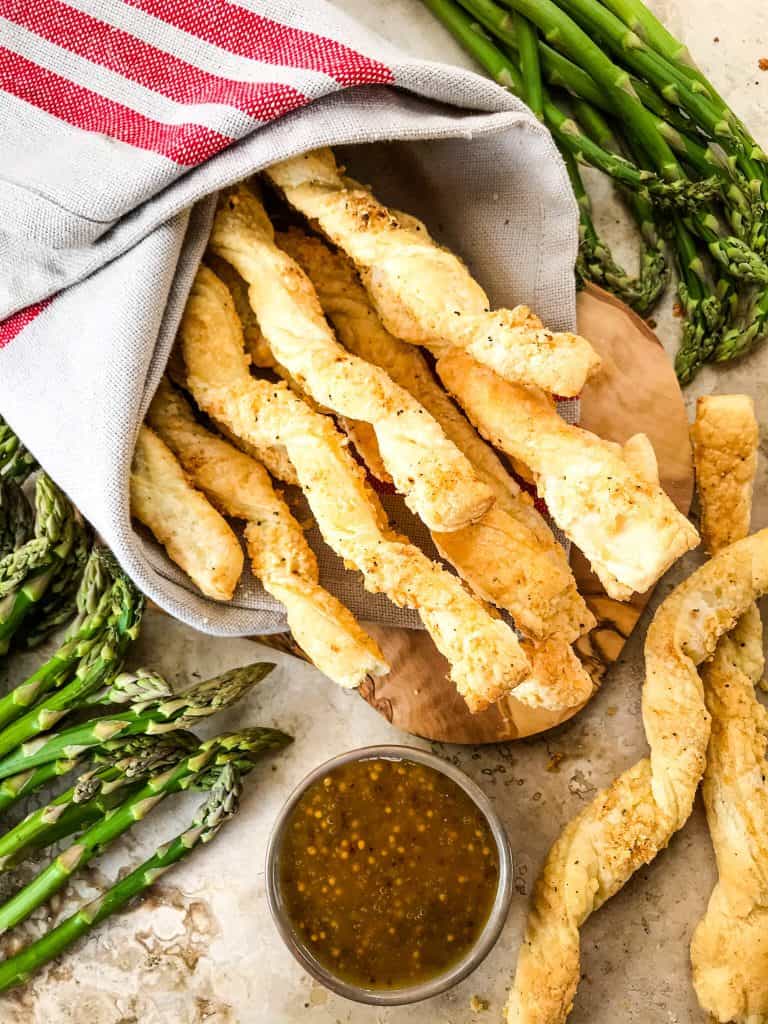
x,y
509,556
729,951
627,824
609,503
484,654
182,519
280,555
422,292
436,480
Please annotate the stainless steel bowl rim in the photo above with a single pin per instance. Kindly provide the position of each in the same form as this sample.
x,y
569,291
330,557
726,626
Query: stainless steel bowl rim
x,y
491,930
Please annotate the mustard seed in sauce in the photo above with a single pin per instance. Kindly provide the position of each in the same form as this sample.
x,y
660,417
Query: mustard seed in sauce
x,y
388,872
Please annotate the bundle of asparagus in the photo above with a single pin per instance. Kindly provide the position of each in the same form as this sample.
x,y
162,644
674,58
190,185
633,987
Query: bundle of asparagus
x,y
138,756
620,93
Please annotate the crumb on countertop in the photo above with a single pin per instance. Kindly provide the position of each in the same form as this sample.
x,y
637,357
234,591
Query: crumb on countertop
x,y
477,1003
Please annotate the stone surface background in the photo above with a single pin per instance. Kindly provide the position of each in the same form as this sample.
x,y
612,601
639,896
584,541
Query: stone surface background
x,y
202,949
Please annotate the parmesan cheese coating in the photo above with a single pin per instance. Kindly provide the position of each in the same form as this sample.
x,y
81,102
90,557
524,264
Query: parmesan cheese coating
x,y
182,519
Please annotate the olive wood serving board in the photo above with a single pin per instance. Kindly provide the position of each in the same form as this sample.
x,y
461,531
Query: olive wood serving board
x,y
635,391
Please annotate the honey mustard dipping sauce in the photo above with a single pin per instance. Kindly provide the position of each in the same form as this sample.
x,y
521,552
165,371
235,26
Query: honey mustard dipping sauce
x,y
387,872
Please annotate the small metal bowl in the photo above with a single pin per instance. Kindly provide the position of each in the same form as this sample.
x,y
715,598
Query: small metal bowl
x,y
458,971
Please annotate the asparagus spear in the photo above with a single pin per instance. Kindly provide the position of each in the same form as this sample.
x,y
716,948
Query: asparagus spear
x,y
15,461
530,64
219,807
59,603
177,712
100,663
641,293
139,688
16,520
26,574
244,747
739,340
703,311
90,798
15,787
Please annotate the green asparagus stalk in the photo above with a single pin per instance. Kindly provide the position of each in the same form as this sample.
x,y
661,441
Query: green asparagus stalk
x,y
703,312
139,689
17,523
219,807
643,292
530,65
15,787
98,665
247,746
26,574
59,603
738,340
16,462
177,712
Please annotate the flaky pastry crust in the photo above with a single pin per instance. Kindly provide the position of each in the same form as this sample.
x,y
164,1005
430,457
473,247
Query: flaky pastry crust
x,y
725,438
624,523
509,556
729,950
280,555
423,293
485,656
437,481
627,824
182,519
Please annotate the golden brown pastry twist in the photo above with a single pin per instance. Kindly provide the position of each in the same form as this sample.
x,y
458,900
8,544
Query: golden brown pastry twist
x,y
280,555
423,293
729,950
437,481
182,519
485,656
627,824
625,524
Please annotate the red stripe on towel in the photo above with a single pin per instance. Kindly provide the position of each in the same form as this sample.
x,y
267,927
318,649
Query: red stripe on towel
x,y
113,48
251,35
185,144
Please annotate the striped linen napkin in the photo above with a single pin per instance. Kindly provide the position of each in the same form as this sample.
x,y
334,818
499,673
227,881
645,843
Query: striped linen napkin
x,y
119,120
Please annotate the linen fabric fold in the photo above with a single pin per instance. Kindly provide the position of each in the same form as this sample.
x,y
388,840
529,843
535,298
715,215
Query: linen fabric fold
x,y
118,124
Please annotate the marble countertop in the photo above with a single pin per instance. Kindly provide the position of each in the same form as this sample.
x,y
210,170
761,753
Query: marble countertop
x,y
202,949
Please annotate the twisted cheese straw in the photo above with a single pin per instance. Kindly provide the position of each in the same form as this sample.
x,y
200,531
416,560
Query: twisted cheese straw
x,y
627,824
280,555
485,656
729,950
182,519
436,479
606,502
423,293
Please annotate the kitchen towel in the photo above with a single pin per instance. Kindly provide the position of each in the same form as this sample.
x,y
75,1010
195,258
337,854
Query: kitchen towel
x,y
119,121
